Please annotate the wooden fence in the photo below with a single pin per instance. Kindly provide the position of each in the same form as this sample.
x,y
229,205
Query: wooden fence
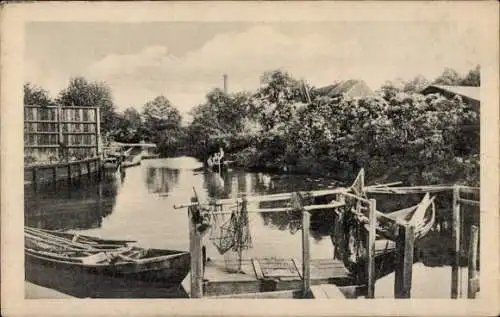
x,y
55,134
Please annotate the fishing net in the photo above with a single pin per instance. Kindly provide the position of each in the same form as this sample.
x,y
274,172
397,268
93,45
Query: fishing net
x,y
230,233
349,234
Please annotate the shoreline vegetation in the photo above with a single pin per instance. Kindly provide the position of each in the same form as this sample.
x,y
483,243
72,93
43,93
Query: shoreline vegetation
x,y
289,126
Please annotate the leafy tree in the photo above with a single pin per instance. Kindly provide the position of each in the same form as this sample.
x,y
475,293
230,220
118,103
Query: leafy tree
x,y
162,124
449,77
34,95
390,89
473,77
416,84
219,119
278,98
83,93
129,127
159,114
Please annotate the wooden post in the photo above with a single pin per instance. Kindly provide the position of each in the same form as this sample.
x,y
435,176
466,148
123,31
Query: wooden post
x,y
34,178
60,131
54,174
456,238
98,131
69,172
195,249
306,256
88,169
473,246
99,168
404,261
371,248
80,169
244,213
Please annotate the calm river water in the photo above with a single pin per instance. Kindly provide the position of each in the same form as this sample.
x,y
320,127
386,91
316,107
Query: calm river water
x,y
138,205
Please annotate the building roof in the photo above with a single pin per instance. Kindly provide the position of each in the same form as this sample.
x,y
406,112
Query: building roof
x,y
352,88
472,94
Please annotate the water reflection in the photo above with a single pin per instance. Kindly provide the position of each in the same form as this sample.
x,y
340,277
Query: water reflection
x,y
160,180
80,205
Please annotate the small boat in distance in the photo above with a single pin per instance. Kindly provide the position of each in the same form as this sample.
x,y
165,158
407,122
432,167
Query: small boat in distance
x,y
87,266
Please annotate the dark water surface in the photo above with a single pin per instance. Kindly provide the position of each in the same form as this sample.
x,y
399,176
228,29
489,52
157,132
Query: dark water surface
x,y
138,205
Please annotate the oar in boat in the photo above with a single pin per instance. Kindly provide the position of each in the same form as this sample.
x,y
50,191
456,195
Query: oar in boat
x,y
68,244
72,241
81,236
56,238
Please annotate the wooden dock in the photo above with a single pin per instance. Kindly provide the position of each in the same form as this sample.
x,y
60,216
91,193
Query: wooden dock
x,y
290,278
51,173
271,275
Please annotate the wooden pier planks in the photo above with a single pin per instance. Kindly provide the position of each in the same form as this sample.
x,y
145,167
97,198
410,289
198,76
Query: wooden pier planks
x,y
256,274
326,291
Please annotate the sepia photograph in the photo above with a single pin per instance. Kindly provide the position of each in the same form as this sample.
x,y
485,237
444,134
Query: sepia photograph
x,y
255,158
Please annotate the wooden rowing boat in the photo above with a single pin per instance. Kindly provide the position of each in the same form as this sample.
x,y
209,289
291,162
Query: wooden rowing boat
x,y
93,267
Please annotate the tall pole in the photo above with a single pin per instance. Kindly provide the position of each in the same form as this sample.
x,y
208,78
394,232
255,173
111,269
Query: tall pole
x,y
195,249
473,247
405,244
306,255
456,238
371,248
60,132
98,131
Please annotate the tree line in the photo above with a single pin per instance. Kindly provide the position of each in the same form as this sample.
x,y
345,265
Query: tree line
x,y
288,124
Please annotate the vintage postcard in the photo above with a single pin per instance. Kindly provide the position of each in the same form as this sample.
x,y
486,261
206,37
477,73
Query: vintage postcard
x,y
202,158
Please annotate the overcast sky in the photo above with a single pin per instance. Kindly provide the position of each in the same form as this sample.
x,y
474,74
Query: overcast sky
x,y
184,60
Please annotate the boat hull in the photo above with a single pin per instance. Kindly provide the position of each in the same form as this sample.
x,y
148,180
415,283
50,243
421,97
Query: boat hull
x,y
155,278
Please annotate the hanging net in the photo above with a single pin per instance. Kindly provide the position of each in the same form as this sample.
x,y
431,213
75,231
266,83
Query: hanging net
x,y
230,229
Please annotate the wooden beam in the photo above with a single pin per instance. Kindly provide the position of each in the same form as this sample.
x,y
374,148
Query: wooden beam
x,y
195,249
456,239
273,197
57,146
98,131
306,255
53,107
55,121
473,248
371,248
408,190
404,261
469,189
469,202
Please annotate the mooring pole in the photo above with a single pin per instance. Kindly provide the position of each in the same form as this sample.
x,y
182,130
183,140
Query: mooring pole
x,y
306,255
296,202
404,261
244,213
456,238
371,248
472,286
195,249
